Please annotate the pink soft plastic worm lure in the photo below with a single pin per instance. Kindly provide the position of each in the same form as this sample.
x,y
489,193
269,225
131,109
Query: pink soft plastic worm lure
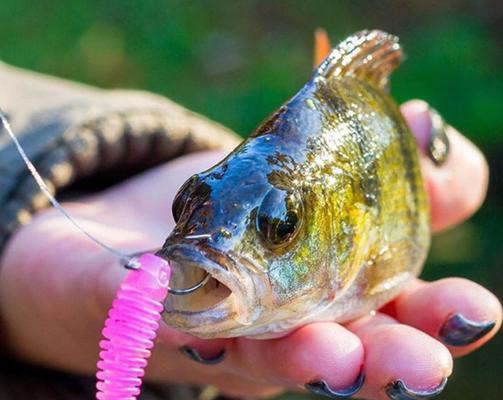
x,y
132,322
131,328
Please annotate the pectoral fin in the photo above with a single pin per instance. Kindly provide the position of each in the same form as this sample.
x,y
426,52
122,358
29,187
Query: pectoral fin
x,y
370,56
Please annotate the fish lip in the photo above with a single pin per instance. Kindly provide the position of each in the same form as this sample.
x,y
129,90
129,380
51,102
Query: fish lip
x,y
223,268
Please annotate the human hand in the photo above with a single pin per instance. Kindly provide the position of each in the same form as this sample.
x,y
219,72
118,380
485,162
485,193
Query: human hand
x,y
56,287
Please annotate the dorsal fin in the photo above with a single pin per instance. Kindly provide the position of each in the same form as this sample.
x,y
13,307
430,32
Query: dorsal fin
x,y
370,56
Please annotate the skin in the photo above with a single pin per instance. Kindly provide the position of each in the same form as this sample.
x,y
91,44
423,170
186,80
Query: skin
x,y
54,297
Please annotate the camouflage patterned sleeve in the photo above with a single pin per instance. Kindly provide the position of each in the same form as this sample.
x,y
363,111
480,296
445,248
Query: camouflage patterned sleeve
x,y
74,132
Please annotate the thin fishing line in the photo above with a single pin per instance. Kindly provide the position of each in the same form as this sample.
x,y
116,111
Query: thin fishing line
x,y
126,259
129,261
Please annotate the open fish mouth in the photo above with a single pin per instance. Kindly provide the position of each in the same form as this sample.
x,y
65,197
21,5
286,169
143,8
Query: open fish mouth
x,y
220,304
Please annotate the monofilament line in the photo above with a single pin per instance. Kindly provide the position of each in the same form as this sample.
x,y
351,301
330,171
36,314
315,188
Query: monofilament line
x,y
43,187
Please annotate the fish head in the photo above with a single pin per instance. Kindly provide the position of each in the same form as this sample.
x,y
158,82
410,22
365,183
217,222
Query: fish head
x,y
251,228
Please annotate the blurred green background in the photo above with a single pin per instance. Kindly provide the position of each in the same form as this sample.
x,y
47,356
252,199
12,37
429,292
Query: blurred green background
x,y
237,61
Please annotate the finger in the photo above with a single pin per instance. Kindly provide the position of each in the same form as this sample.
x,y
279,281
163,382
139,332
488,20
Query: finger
x,y
314,353
400,361
457,187
460,313
173,366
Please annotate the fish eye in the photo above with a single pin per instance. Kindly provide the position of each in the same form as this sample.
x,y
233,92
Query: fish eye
x,y
182,198
279,218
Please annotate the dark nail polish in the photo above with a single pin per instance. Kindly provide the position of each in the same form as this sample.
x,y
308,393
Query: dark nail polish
x,y
194,355
397,390
321,388
460,331
438,145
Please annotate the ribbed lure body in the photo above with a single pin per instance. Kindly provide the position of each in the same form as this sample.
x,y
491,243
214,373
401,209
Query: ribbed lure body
x,y
131,328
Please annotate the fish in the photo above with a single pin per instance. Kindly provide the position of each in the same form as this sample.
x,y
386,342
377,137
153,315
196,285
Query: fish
x,y
321,214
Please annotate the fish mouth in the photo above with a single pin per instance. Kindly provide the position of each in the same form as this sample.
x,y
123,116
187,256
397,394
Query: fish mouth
x,y
221,304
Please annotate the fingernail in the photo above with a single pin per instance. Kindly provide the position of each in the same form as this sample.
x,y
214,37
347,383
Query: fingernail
x,y
429,130
460,331
397,390
194,355
438,145
322,388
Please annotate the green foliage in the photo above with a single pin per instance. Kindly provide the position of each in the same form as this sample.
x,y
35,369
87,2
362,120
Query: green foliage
x,y
237,61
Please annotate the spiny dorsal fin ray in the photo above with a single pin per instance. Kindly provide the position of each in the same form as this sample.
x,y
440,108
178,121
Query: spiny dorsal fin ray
x,y
370,56
322,46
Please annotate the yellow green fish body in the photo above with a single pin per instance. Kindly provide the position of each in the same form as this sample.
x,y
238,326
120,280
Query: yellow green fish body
x,y
321,214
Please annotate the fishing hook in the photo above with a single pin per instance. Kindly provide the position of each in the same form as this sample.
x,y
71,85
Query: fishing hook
x,y
133,263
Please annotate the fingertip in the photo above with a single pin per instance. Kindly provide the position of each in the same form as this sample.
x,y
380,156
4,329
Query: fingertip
x,y
324,351
400,359
461,313
397,352
318,351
